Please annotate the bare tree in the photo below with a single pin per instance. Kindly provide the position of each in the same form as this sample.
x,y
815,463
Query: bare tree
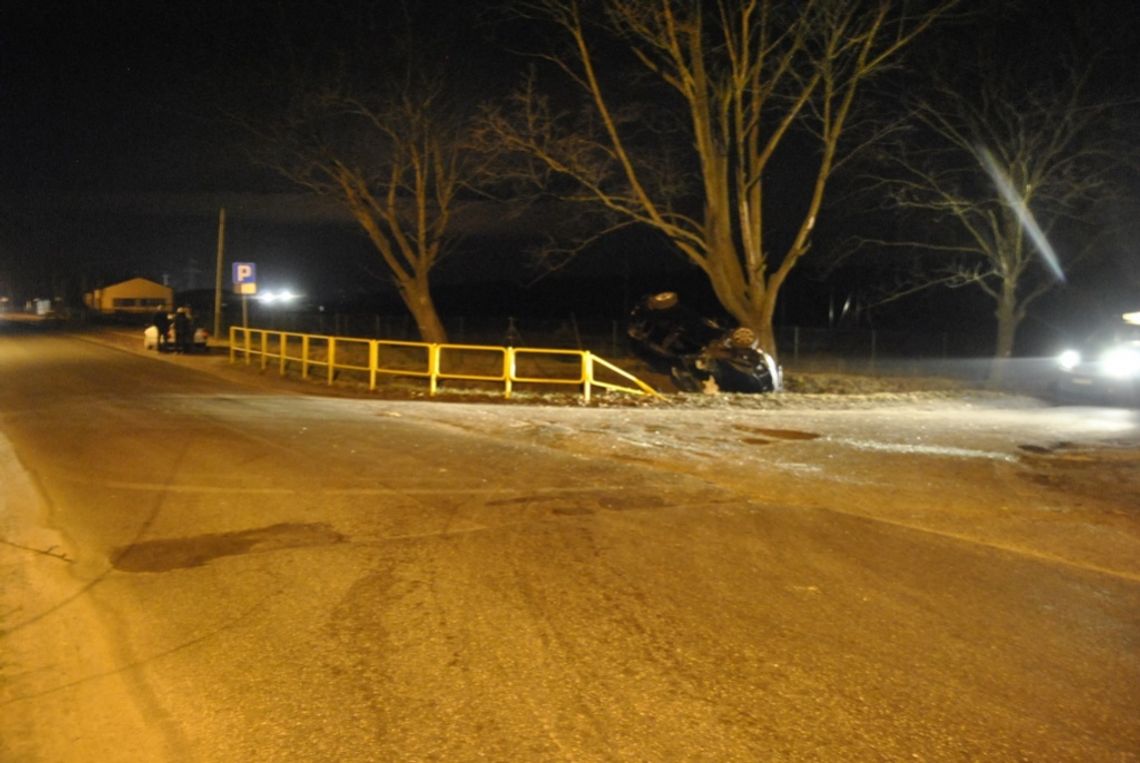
x,y
374,116
995,176
396,162
751,81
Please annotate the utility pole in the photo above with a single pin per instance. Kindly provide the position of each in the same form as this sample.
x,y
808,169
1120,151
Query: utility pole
x,y
218,274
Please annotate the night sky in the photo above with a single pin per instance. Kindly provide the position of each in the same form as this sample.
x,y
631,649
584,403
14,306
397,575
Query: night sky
x,y
116,155
119,147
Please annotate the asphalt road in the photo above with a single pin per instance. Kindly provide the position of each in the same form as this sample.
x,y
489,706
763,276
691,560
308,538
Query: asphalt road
x,y
203,568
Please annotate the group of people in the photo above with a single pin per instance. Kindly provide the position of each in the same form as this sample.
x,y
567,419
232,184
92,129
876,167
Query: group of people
x,y
175,331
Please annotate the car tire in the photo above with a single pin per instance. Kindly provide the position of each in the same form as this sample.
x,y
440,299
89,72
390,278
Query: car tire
x,y
742,338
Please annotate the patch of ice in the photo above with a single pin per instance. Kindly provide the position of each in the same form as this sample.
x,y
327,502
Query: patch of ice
x,y
923,450
797,467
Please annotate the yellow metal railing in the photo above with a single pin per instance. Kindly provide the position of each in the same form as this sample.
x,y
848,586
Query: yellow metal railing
x,y
481,364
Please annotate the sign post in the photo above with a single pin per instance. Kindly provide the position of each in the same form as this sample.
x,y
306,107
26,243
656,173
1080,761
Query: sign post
x,y
245,284
218,274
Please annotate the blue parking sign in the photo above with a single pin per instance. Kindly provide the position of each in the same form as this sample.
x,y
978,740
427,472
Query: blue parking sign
x,y
245,278
245,272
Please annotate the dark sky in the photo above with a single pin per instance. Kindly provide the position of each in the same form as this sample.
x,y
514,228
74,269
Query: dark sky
x,y
115,155
102,94
131,95
118,152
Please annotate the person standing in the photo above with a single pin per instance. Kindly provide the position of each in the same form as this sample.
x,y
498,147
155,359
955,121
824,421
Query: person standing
x,y
162,323
183,331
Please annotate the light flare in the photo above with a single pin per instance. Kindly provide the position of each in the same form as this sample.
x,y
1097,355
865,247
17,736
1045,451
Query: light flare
x,y
1121,363
1021,209
1069,359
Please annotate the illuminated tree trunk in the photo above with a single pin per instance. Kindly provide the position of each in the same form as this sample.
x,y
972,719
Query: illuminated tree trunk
x,y
416,295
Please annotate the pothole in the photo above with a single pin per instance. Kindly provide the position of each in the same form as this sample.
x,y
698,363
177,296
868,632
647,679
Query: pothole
x,y
779,434
1046,449
166,554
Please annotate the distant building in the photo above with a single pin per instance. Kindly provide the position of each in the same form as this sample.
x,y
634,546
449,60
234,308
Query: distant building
x,y
137,296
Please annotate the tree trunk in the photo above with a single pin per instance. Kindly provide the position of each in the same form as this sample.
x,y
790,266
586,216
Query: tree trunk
x,y
417,296
1008,318
758,317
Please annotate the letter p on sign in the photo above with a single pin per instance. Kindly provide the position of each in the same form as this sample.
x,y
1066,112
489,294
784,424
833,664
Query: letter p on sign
x,y
243,272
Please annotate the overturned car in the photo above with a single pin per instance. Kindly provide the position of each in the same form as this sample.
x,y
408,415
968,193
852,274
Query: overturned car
x,y
699,353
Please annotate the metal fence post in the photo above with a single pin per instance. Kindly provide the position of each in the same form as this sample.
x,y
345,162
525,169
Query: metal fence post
x,y
433,369
588,374
509,371
373,361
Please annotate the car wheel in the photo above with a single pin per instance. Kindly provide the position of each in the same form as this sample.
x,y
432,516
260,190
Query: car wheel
x,y
742,338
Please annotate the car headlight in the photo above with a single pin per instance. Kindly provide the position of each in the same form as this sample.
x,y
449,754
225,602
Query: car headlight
x,y
1069,359
1121,363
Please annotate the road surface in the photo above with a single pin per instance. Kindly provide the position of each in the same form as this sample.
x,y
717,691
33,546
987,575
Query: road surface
x,y
203,564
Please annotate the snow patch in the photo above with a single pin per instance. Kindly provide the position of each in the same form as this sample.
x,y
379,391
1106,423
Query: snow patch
x,y
923,450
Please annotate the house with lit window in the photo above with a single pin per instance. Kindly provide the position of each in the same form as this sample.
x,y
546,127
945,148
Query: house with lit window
x,y
137,296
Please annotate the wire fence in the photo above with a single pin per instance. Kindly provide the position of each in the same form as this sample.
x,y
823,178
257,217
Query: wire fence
x,y
810,350
801,348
